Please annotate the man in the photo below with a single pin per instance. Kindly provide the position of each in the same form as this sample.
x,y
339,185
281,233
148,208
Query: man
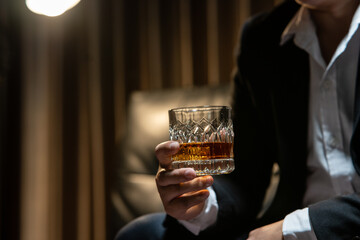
x,y
297,103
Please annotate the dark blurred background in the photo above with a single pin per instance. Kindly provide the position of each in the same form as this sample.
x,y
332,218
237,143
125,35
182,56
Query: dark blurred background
x,y
65,84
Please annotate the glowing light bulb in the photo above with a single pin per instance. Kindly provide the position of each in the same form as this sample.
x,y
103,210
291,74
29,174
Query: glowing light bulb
x,y
51,8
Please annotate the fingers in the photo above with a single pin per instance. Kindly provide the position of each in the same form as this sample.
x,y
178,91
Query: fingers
x,y
182,193
170,192
163,152
176,176
189,206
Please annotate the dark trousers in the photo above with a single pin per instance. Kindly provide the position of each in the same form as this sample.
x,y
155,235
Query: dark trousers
x,y
150,227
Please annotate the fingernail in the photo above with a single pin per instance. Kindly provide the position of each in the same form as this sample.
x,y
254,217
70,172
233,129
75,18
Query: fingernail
x,y
174,145
208,182
189,174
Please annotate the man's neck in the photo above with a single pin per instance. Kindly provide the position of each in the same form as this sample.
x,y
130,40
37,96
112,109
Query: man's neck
x,y
332,25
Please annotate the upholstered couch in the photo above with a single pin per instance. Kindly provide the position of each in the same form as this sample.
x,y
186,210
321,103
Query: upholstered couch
x,y
135,191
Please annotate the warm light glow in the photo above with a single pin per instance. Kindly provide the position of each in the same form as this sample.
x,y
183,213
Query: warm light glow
x,y
50,8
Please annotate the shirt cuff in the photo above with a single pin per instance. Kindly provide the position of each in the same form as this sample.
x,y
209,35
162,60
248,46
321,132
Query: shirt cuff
x,y
206,218
297,225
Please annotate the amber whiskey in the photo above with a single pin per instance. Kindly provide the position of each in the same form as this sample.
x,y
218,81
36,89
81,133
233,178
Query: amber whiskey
x,y
207,158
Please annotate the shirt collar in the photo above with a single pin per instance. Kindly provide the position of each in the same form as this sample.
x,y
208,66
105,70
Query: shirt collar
x,y
302,30
352,30
301,24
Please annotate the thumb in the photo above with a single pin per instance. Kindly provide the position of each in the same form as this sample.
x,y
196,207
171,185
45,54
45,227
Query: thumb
x,y
164,151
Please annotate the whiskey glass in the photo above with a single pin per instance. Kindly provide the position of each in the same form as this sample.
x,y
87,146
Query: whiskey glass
x,y
206,136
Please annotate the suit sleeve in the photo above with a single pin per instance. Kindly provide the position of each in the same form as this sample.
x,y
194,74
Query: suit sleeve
x,y
241,193
337,218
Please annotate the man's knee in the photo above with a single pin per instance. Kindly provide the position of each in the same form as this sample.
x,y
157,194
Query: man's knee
x,y
148,227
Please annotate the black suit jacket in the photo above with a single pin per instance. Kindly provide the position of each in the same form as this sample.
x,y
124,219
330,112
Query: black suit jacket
x,y
270,124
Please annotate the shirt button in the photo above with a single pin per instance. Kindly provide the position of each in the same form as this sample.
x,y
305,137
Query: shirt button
x,y
333,142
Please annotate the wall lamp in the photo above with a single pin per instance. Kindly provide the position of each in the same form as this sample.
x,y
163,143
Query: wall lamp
x,y
51,8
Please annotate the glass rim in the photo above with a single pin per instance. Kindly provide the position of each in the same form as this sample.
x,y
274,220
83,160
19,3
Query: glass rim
x,y
200,108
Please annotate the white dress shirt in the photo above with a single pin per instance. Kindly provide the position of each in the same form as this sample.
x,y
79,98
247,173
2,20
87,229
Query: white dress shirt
x,y
331,104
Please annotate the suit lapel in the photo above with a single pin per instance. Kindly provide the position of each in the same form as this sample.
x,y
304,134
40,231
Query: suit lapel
x,y
357,99
355,140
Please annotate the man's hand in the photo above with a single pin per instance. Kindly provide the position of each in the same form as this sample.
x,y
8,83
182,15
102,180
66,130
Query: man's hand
x,y
182,193
269,232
